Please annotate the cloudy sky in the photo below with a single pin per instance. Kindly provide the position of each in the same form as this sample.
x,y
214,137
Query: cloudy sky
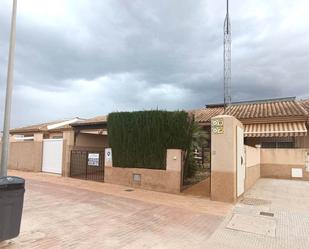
x,y
86,58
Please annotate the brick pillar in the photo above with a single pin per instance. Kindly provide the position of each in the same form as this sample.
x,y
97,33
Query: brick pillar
x,y
174,165
38,137
108,161
68,144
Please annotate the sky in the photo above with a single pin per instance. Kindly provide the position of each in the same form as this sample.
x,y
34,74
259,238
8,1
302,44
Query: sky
x,y
81,58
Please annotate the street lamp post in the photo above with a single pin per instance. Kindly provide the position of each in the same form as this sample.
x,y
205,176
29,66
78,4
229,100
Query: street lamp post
x,y
8,97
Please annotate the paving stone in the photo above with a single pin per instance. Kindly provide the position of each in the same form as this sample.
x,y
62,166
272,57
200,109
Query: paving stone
x,y
291,214
66,213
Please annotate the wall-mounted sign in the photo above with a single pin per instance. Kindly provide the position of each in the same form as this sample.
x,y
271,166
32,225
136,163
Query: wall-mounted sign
x,y
297,172
137,177
94,159
217,126
108,155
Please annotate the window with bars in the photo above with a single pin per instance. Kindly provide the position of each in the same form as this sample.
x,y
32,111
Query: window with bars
x,y
278,145
278,142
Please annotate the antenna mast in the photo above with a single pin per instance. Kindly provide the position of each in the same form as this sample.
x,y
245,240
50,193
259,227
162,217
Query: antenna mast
x,y
227,58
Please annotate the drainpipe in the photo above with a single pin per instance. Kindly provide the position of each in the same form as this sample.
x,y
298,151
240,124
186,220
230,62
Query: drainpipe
x,y
8,98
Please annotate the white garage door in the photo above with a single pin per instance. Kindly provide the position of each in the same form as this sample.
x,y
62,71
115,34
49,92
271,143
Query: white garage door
x,y
52,156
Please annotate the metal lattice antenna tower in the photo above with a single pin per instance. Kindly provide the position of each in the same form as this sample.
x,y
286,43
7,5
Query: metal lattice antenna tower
x,y
227,57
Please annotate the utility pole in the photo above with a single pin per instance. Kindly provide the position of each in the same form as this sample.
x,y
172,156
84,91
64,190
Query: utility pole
x,y
227,58
8,97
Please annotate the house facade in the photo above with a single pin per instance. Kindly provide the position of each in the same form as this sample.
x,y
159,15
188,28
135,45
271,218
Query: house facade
x,y
278,128
275,135
41,147
272,123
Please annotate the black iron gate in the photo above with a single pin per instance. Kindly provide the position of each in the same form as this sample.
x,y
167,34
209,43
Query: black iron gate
x,y
88,165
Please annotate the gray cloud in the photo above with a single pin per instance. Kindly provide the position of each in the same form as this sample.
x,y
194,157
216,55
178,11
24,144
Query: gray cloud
x,y
85,58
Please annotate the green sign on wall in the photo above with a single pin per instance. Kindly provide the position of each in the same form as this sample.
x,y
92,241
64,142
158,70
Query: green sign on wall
x,y
217,126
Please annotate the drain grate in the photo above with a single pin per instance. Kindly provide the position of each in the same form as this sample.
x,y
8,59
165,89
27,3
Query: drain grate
x,y
255,202
267,214
129,190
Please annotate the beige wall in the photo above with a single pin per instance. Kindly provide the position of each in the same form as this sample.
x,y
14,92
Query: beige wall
x,y
21,150
157,180
169,180
253,161
253,156
91,140
253,173
223,161
26,156
277,163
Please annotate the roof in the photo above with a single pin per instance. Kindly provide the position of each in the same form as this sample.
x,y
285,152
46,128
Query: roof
x,y
282,108
92,121
53,125
305,104
257,101
205,114
246,111
267,109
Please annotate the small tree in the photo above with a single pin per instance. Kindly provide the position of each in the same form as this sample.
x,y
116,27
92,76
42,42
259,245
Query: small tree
x,y
199,137
199,140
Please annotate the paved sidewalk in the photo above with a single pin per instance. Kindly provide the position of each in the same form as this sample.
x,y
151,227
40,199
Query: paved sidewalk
x,y
68,213
246,228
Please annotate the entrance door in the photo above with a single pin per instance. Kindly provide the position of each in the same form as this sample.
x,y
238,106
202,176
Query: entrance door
x,y
240,161
52,155
87,164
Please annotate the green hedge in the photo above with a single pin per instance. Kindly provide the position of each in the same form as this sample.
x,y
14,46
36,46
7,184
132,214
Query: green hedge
x,y
140,139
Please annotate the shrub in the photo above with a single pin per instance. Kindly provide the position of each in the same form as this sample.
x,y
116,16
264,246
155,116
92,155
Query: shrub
x,y
140,139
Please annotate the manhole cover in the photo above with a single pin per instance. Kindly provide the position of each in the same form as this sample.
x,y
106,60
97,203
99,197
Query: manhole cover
x,y
255,202
253,224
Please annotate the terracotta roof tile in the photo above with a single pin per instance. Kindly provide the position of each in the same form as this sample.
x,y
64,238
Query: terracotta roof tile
x,y
41,127
205,114
266,110
36,127
305,104
256,110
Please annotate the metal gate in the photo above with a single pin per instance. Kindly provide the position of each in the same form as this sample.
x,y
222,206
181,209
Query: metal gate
x,y
88,165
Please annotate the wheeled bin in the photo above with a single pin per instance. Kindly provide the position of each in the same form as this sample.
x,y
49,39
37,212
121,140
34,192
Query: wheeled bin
x,y
12,191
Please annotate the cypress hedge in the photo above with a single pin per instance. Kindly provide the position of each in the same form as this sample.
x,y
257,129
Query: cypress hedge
x,y
140,139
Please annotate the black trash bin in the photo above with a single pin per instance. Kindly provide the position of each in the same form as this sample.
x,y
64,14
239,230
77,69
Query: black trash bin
x,y
12,191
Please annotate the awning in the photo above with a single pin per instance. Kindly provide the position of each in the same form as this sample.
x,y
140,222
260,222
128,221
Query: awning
x,y
292,129
94,131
